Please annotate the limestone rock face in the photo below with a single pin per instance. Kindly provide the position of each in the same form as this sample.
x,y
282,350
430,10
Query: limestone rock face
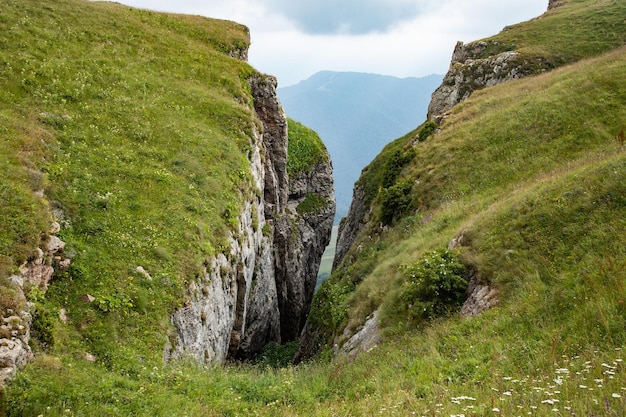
x,y
15,327
471,70
352,224
260,291
481,64
235,303
553,4
299,240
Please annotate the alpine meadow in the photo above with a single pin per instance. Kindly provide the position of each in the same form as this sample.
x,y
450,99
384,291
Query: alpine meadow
x,y
163,221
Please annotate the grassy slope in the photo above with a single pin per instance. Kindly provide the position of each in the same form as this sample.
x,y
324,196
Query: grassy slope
x,y
533,171
306,149
137,126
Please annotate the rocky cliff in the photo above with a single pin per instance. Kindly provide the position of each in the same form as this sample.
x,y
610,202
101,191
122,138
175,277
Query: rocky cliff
x,y
482,64
15,328
261,290
352,224
255,288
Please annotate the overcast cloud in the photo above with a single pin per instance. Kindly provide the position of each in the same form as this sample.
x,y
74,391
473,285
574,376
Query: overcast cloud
x,y
293,39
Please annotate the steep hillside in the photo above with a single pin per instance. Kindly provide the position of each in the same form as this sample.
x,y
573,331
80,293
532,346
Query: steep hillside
x,y
357,115
512,210
153,209
518,195
561,36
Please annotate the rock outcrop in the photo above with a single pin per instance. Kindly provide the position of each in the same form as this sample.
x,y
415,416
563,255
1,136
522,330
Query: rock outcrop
x,y
473,67
351,225
260,291
482,64
553,4
15,324
299,241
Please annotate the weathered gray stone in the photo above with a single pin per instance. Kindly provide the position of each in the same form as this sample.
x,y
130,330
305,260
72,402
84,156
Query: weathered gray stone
x,y
55,244
261,290
553,4
14,350
480,298
471,70
365,338
299,241
352,224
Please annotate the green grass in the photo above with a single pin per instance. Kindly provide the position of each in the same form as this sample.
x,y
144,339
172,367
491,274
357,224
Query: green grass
x,y
137,125
306,149
135,140
564,35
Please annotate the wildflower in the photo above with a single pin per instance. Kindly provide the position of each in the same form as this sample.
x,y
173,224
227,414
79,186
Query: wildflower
x,y
507,393
582,386
495,409
616,395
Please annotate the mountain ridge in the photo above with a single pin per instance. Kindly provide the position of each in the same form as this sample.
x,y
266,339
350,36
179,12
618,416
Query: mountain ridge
x,y
356,114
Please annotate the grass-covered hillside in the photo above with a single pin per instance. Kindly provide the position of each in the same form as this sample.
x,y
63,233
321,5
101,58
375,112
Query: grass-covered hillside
x,y
135,126
126,119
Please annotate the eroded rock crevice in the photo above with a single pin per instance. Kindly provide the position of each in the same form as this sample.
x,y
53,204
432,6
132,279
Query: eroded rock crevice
x,y
261,290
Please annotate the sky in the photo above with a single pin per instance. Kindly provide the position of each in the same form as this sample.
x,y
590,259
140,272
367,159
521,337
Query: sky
x,y
293,39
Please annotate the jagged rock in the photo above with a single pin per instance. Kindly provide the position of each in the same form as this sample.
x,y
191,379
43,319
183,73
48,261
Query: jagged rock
x,y
352,224
471,70
55,244
261,290
457,241
365,339
140,270
299,241
553,4
38,271
480,298
14,353
55,228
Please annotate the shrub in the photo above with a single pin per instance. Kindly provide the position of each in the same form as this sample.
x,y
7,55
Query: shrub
x,y
395,201
433,286
427,129
394,165
43,324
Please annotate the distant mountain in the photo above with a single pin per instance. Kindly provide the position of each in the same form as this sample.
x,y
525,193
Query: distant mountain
x,y
356,114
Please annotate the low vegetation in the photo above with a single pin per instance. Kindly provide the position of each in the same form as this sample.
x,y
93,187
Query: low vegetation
x,y
306,149
533,172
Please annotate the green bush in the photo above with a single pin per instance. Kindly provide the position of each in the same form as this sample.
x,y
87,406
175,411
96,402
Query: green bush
x,y
427,129
433,286
43,324
395,201
277,356
394,165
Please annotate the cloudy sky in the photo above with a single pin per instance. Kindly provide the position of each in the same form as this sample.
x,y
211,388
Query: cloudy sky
x,y
293,39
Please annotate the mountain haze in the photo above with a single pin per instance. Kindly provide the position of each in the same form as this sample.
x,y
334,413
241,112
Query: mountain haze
x,y
356,114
